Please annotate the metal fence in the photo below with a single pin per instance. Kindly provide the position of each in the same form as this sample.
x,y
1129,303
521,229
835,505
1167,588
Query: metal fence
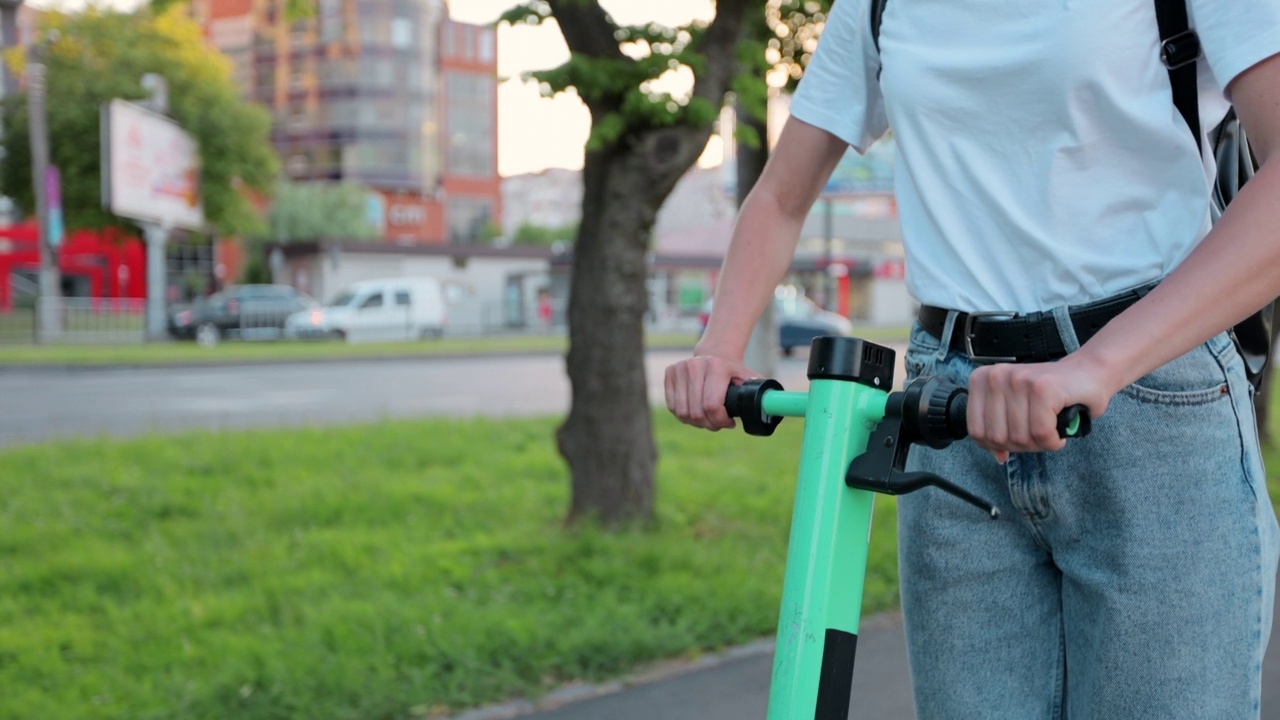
x,y
95,321
83,321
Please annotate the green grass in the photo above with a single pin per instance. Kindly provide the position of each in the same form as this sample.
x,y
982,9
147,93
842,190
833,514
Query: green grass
x,y
390,571
180,353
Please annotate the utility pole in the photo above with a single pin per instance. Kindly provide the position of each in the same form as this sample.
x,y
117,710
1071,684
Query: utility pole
x,y
762,349
49,303
828,238
155,234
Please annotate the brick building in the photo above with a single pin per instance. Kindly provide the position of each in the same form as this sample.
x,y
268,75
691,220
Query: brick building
x,y
388,93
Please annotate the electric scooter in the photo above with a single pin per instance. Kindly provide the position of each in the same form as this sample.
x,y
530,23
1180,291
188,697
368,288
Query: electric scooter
x,y
856,437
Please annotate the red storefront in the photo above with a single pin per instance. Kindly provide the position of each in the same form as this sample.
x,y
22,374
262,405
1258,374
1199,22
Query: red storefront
x,y
107,264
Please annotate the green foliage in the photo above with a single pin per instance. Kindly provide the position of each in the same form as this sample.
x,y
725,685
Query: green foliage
x,y
320,210
100,55
19,323
364,573
622,83
793,30
781,37
530,234
529,13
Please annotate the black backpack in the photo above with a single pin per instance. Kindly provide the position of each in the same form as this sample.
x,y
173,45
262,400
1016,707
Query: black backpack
x,y
1179,51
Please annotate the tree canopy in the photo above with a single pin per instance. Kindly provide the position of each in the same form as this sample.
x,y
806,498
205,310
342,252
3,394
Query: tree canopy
x,y
315,211
98,55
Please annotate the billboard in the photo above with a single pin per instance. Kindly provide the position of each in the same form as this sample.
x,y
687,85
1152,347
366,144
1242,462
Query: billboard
x,y
150,168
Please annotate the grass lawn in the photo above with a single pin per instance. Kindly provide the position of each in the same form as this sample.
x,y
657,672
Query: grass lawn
x,y
178,353
390,571
399,570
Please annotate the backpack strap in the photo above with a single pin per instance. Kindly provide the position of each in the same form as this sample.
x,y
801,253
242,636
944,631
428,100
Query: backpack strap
x,y
1179,51
877,14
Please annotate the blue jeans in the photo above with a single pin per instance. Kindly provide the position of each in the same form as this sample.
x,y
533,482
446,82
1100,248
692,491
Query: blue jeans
x,y
1131,576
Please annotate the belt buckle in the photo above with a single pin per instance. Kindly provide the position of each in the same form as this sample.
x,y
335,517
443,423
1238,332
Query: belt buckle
x,y
968,337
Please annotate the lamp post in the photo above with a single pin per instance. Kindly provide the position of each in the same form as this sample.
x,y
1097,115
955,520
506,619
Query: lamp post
x,y
50,317
156,235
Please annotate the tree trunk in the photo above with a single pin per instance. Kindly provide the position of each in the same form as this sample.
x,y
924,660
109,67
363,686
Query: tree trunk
x,y
607,439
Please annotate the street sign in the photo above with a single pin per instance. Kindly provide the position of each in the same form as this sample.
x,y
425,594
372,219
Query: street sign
x,y
53,201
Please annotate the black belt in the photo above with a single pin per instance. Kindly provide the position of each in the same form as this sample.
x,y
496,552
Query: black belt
x,y
1032,337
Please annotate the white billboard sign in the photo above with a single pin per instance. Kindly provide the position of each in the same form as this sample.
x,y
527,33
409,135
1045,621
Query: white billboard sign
x,y
151,168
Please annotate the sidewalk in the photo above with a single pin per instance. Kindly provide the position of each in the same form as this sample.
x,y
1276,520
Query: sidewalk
x,y
737,687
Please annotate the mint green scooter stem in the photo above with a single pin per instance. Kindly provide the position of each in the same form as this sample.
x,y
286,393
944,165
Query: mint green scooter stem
x,y
847,407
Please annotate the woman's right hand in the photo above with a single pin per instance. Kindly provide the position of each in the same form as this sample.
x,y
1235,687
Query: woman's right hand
x,y
696,388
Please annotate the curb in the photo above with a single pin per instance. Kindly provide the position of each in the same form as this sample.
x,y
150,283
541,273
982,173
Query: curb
x,y
646,675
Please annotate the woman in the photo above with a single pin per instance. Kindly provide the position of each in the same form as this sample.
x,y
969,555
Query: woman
x,y
1055,211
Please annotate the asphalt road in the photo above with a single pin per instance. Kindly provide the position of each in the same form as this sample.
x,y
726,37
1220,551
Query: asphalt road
x,y
43,404
37,405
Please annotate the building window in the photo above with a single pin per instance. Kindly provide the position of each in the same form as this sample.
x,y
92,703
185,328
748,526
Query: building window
x,y
469,125
468,219
402,33
330,17
468,42
297,165
449,46
486,46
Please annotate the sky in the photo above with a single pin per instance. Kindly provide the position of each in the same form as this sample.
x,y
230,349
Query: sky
x,y
535,132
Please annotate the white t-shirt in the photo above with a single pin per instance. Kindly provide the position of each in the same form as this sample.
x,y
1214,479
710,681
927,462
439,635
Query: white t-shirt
x,y
1041,160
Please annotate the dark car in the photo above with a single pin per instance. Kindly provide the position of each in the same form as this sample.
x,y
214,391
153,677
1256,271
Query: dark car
x,y
799,320
247,312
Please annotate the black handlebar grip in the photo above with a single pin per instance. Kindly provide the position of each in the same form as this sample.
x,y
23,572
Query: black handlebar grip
x,y
746,401
735,399
1073,422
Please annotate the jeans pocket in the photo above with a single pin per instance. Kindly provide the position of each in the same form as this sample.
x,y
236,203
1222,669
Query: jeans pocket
x,y
1194,378
921,354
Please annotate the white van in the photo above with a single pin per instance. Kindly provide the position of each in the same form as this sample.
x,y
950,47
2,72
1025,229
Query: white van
x,y
377,310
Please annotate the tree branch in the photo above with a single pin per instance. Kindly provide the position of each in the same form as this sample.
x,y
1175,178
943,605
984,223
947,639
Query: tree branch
x,y
587,28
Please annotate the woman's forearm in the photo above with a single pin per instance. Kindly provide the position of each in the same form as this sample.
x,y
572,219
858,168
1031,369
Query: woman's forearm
x,y
765,235
764,240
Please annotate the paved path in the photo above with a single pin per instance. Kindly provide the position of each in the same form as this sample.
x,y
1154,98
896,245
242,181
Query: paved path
x,y
739,689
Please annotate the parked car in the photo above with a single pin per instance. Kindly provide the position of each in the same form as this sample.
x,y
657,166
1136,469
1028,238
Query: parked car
x,y
393,309
248,312
799,320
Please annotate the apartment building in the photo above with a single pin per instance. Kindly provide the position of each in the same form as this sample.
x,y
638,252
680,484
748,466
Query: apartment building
x,y
388,93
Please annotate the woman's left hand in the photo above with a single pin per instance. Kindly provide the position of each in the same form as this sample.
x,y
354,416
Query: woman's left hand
x,y
1014,408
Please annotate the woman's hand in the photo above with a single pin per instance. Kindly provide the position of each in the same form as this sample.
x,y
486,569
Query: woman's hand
x,y
1014,408
696,388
